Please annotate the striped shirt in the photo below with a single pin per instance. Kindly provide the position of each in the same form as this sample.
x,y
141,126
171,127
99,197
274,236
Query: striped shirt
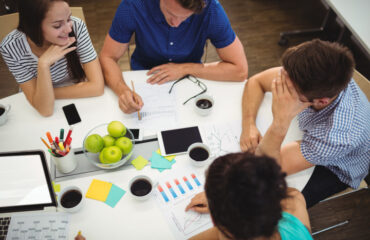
x,y
338,136
23,63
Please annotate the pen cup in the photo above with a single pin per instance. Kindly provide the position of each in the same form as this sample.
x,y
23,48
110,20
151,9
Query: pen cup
x,y
66,163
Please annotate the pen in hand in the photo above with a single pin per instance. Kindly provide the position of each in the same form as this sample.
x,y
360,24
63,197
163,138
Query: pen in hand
x,y
133,90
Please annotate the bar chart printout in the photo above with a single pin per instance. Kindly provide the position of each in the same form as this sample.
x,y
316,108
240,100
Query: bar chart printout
x,y
173,193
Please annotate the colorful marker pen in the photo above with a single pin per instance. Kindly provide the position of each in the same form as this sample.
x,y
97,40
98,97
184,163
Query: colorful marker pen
x,y
179,186
160,189
61,146
61,134
57,141
50,138
68,136
171,190
187,183
195,179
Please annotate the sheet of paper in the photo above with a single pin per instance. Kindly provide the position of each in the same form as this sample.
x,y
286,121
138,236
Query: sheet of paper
x,y
98,190
38,226
115,194
174,192
222,138
159,110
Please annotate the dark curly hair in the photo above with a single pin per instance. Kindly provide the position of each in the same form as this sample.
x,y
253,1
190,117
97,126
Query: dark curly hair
x,y
244,193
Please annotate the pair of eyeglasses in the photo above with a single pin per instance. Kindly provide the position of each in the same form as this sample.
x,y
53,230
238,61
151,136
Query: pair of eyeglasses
x,y
194,80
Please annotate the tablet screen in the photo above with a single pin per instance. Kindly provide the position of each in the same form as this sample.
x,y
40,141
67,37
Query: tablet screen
x,y
178,140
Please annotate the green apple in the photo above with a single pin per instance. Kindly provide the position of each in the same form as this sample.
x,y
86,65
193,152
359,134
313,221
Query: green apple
x,y
94,143
110,154
124,144
116,129
108,141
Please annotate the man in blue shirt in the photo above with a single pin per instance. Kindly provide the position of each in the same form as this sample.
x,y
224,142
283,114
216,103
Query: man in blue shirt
x,y
336,127
170,36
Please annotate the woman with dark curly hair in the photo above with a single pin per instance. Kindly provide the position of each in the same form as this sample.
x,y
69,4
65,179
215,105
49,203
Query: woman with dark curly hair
x,y
247,195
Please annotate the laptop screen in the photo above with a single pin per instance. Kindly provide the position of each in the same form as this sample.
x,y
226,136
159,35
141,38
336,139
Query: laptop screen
x,y
24,182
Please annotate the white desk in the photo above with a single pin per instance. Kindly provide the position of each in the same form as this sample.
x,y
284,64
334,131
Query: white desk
x,y
97,220
355,15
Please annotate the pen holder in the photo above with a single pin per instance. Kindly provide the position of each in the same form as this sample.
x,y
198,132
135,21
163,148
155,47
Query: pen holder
x,y
66,163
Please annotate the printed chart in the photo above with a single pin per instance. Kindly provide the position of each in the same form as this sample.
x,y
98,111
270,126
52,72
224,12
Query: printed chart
x,y
222,138
174,192
38,226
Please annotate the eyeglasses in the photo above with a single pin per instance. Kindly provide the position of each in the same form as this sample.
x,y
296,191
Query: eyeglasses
x,y
194,80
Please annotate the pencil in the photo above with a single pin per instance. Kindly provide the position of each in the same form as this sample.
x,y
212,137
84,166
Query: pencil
x,y
46,144
133,89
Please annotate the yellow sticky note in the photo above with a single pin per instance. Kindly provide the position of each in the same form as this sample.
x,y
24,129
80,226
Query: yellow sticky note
x,y
139,162
56,187
169,158
98,190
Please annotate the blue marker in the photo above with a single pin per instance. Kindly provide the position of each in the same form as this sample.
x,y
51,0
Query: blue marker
x,y
171,190
187,183
179,186
163,193
195,179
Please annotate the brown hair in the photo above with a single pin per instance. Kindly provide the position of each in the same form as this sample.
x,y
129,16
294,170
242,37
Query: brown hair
x,y
319,68
31,15
194,5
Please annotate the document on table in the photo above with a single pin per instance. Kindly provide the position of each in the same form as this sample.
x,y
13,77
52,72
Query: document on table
x,y
222,138
38,226
159,110
174,192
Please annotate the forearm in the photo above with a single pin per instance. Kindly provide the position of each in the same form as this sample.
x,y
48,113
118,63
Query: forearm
x,y
42,98
270,144
79,90
219,71
210,234
252,97
113,75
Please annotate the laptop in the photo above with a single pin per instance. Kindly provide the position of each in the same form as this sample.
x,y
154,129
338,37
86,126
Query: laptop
x,y
25,185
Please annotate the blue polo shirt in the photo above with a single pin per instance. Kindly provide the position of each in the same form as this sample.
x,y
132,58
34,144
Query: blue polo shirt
x,y
158,43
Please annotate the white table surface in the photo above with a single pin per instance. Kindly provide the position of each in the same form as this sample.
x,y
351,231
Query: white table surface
x,y
130,219
355,15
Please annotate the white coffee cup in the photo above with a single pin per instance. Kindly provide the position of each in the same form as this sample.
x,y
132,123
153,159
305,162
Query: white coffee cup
x,y
198,154
68,192
203,104
4,109
139,187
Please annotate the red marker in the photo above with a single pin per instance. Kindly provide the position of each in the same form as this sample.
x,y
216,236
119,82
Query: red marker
x,y
57,141
68,136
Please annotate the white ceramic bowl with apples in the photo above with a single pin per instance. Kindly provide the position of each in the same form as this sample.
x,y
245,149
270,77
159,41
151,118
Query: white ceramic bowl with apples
x,y
94,157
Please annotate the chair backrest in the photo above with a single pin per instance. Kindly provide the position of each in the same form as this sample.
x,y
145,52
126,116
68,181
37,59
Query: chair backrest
x,y
9,22
363,83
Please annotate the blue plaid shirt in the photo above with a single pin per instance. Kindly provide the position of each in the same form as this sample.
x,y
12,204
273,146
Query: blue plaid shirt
x,y
158,43
338,136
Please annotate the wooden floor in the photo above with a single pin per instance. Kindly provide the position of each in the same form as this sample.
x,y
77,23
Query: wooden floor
x,y
258,24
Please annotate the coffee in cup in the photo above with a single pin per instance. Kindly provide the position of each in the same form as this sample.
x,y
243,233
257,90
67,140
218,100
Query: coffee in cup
x,y
71,199
199,154
4,109
204,104
141,187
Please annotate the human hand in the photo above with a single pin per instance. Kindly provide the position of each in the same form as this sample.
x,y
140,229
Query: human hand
x,y
130,102
165,72
250,138
56,52
198,203
80,237
285,100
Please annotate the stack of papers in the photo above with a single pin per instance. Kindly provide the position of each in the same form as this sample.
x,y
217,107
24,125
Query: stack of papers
x,y
161,163
105,192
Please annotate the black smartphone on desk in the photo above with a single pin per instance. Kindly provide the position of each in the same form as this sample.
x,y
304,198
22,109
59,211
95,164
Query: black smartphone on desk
x,y
71,113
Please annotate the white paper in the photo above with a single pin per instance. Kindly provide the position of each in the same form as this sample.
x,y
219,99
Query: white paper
x,y
38,226
222,138
159,110
183,224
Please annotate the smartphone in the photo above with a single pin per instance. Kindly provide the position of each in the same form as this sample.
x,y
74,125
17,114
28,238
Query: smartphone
x,y
177,141
72,34
71,113
138,135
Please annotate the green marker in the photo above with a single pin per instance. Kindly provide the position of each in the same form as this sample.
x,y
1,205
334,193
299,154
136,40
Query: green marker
x,y
61,134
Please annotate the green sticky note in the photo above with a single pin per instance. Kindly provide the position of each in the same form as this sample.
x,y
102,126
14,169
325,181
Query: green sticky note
x,y
56,187
157,161
98,190
139,162
115,194
169,158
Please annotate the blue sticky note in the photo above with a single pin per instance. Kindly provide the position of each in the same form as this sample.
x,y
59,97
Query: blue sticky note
x,y
157,161
115,194
162,169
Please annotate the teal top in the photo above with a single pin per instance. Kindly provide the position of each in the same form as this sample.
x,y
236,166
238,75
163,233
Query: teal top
x,y
291,228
